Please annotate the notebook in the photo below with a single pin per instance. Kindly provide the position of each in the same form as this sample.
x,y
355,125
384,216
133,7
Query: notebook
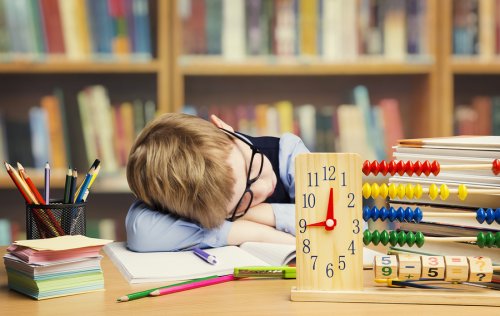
x,y
145,267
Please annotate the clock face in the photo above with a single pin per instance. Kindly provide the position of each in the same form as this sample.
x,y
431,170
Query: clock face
x,y
329,221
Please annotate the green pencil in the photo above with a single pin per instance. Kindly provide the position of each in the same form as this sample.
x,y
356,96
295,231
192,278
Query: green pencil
x,y
145,293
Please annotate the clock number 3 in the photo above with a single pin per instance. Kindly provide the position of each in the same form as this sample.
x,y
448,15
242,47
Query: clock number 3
x,y
356,226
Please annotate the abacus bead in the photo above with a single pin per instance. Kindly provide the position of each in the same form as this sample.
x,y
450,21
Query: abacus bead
x,y
384,213
444,192
435,168
409,168
433,191
401,167
408,214
496,166
497,215
417,168
462,192
392,167
383,167
409,191
384,237
480,240
417,191
366,167
367,190
480,215
375,190
375,237
410,239
393,191
366,213
419,239
490,216
367,237
417,215
489,239
497,239
384,190
401,238
426,168
374,167
393,238
375,213
393,214
400,214
401,191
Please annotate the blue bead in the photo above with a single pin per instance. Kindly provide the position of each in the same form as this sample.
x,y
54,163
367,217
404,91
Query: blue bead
x,y
497,215
490,216
417,215
400,214
480,215
384,213
375,213
408,214
392,214
366,213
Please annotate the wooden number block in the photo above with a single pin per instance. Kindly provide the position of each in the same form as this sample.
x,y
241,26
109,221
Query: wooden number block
x,y
386,267
457,268
480,269
433,267
410,267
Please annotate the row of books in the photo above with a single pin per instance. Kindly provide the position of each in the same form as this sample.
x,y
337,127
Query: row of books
x,y
358,126
74,29
11,230
331,29
480,117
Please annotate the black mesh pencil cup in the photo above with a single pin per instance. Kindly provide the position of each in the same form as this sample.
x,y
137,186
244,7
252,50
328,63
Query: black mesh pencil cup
x,y
55,219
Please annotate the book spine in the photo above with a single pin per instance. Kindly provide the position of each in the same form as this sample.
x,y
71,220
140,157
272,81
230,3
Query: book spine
x,y
233,34
142,32
52,27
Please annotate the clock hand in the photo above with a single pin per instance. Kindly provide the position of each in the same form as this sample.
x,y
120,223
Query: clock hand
x,y
318,224
330,221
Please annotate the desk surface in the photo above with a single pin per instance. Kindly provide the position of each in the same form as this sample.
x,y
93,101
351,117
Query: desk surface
x,y
251,297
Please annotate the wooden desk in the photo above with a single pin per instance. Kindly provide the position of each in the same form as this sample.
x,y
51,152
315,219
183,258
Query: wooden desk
x,y
247,297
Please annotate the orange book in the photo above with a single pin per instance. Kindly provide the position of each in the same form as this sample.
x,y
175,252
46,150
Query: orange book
x,y
56,132
308,12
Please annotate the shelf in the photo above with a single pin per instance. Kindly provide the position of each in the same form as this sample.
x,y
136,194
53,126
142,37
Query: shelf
x,y
268,66
71,67
475,66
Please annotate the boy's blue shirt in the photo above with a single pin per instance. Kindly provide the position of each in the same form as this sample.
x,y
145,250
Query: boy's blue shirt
x,y
149,230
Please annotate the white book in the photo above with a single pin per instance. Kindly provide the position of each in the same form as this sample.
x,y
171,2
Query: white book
x,y
306,115
72,40
394,29
352,131
333,48
233,30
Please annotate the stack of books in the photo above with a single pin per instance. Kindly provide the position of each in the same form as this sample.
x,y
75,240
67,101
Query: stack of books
x,y
462,150
53,267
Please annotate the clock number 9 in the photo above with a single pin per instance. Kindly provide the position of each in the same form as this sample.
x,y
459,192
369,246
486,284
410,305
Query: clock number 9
x,y
306,248
302,225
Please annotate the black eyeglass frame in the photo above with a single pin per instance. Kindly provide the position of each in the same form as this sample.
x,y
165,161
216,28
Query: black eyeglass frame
x,y
249,183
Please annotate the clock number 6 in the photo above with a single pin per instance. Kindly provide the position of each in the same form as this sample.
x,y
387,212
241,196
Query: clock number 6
x,y
329,270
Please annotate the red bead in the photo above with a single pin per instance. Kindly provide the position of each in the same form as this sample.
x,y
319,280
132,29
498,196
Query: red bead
x,y
409,168
374,167
435,168
400,167
417,168
366,167
392,167
426,168
383,167
496,166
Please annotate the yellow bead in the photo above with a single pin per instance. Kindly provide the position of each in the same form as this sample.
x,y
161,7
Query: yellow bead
x,y
384,190
401,191
392,190
462,192
444,192
417,191
375,190
409,191
433,191
367,190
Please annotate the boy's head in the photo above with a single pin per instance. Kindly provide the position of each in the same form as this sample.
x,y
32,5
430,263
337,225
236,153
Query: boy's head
x,y
178,164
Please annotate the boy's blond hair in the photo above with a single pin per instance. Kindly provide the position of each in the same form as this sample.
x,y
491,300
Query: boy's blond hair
x,y
178,164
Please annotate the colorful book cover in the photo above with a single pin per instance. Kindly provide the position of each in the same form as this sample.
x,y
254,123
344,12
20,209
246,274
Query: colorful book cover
x,y
141,34
52,26
120,42
101,27
56,132
308,15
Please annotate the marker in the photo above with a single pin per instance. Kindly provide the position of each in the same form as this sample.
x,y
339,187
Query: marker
x,y
284,272
205,256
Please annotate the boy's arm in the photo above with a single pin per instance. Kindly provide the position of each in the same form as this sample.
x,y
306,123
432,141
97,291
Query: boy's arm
x,y
281,216
243,230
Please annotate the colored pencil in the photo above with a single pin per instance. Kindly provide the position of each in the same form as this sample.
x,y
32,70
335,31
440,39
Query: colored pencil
x,y
47,183
87,192
145,293
84,186
67,185
72,187
193,285
94,166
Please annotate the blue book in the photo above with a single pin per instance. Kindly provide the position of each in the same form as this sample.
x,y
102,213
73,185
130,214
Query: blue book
x,y
5,232
101,26
141,35
40,139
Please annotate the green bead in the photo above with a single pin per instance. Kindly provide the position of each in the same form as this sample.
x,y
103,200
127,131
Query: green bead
x,y
375,237
480,240
367,237
401,238
410,239
393,238
384,237
420,239
489,240
497,239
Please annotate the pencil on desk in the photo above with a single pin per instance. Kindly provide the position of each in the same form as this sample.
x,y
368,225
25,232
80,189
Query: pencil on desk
x,y
192,285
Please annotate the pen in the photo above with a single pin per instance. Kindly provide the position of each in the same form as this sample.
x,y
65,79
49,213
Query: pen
x,y
193,285
391,282
284,272
205,255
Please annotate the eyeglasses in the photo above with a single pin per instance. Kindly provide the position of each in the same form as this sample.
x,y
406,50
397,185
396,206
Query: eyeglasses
x,y
246,199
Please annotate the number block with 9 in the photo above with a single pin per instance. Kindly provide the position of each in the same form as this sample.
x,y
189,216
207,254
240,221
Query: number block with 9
x,y
386,267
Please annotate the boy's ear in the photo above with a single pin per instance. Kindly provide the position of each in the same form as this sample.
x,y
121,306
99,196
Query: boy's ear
x,y
220,123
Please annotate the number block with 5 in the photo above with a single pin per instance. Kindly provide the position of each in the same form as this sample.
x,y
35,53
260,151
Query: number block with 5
x,y
386,267
433,267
